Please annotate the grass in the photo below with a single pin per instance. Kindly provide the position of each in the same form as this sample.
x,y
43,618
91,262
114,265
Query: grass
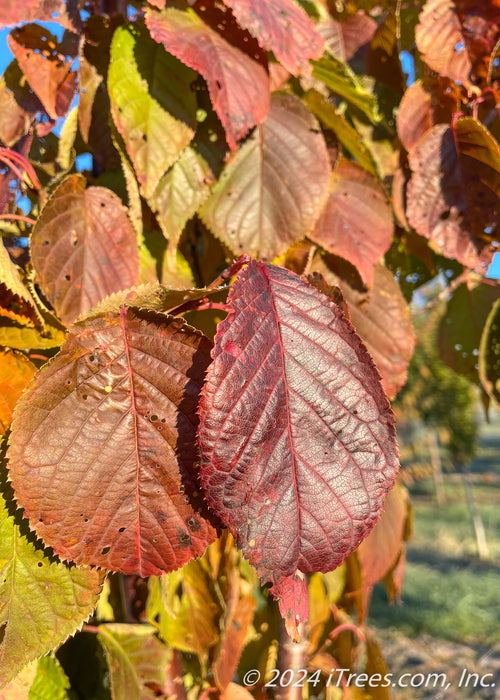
x,y
447,591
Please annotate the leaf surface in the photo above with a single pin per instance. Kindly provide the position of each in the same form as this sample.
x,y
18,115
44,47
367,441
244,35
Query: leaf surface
x,y
47,70
179,194
238,85
287,365
16,372
382,319
356,223
272,191
16,11
283,28
16,302
83,247
41,601
414,115
454,190
103,443
152,103
440,40
489,354
136,659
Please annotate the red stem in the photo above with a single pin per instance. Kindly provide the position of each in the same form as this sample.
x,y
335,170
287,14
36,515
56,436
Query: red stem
x,y
17,217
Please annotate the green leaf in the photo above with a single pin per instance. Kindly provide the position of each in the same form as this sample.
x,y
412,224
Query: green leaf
x,y
272,192
182,606
14,335
67,153
42,601
346,134
50,682
179,194
489,354
136,658
152,103
341,80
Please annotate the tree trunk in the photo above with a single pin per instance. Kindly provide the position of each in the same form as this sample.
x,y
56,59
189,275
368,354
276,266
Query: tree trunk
x,y
482,545
437,471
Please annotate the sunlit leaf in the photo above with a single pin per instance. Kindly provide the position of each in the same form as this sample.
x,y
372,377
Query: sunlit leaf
x,y
414,116
283,28
238,85
41,601
103,444
287,365
16,302
83,247
179,194
152,103
50,682
19,687
461,327
454,190
137,660
345,133
16,372
440,40
271,193
47,70
342,82
345,38
356,223
378,553
182,606
17,11
237,622
489,354
15,335
382,319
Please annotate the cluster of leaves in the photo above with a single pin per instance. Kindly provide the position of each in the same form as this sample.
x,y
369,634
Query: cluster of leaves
x,y
282,132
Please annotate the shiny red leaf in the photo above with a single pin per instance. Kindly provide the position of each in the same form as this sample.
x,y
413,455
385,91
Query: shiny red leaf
x,y
283,28
47,70
296,435
83,247
356,223
454,190
238,85
103,444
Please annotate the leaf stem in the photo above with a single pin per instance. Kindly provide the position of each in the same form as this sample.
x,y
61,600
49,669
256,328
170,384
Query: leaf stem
x,y
17,217
291,655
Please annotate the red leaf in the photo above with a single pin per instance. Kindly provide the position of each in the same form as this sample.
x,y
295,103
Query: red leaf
x,y
46,69
356,223
238,85
453,193
345,38
103,444
83,247
440,41
293,598
283,28
297,439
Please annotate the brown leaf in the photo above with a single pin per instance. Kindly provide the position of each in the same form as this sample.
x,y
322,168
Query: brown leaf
x,y
47,69
414,116
83,247
103,445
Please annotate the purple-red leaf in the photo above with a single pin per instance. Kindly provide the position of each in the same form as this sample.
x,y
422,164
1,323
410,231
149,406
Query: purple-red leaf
x,y
297,439
454,190
238,85
283,28
103,444
356,223
83,247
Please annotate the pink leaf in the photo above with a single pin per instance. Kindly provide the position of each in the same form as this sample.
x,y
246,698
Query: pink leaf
x,y
238,85
356,223
296,435
283,28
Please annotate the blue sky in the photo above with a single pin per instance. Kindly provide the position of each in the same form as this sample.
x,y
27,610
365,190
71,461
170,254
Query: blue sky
x,y
6,58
